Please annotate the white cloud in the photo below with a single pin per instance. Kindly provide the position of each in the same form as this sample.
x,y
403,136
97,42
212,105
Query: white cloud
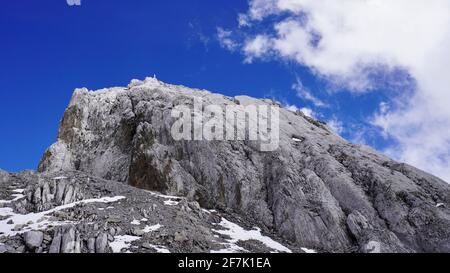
x,y
243,20
291,108
345,41
305,110
305,94
196,35
225,39
261,8
308,112
336,125
256,47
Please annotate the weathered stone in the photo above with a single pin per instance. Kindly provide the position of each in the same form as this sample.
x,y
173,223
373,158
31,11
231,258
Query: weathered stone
x,y
47,238
112,231
180,236
77,247
37,196
60,191
20,249
316,190
68,241
113,219
46,196
146,245
68,194
55,246
357,224
91,245
101,243
118,231
33,239
138,232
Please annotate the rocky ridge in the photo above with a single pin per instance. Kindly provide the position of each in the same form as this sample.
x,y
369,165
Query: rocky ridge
x,y
316,191
72,212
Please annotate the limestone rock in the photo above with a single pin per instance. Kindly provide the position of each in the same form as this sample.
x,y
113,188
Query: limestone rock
x,y
316,190
55,246
101,243
3,249
68,241
47,194
33,239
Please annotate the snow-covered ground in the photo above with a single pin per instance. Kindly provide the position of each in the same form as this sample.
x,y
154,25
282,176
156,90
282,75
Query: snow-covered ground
x,y
152,228
40,220
307,250
59,178
122,242
172,200
18,194
160,249
164,196
237,233
135,222
14,223
171,203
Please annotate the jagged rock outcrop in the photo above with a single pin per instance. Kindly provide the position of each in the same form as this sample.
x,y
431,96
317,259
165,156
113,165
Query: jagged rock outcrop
x,y
115,217
56,192
316,190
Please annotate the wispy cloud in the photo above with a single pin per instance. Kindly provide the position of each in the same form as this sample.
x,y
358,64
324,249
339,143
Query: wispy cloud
x,y
225,38
257,47
308,112
196,35
305,94
305,110
336,125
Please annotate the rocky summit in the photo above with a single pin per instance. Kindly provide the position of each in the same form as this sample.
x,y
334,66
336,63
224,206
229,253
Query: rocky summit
x,y
117,181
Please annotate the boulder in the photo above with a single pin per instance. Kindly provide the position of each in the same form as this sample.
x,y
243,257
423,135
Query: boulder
x,y
33,239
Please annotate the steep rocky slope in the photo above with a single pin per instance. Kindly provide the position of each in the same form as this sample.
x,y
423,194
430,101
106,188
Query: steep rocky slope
x,y
316,190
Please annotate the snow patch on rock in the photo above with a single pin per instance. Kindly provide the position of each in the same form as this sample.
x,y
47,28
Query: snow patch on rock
x,y
160,249
152,228
40,221
122,242
237,233
135,222
307,250
171,203
17,196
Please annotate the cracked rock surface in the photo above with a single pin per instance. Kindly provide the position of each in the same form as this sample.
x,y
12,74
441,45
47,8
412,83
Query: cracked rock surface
x,y
316,190
114,217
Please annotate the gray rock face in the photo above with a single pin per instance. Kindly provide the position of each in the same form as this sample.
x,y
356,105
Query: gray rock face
x,y
68,241
3,249
55,246
47,194
115,217
101,243
33,239
317,190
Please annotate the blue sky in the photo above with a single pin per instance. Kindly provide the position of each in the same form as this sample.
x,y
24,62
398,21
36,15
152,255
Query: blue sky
x,y
48,48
